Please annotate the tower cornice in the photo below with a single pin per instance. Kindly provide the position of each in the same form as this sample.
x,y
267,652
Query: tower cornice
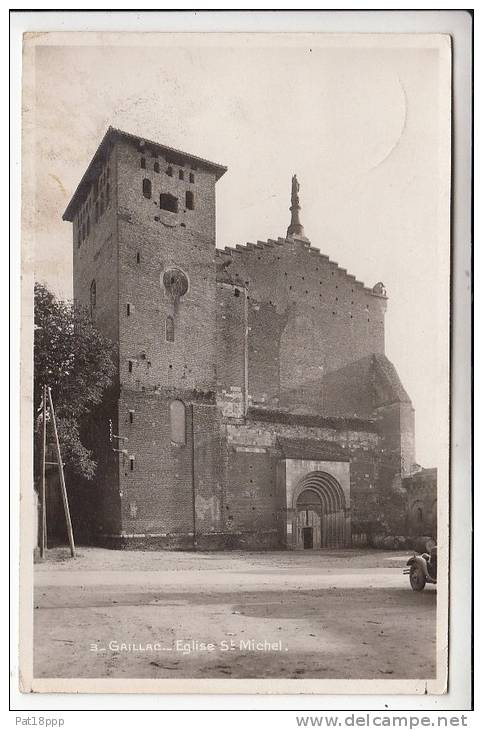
x,y
109,138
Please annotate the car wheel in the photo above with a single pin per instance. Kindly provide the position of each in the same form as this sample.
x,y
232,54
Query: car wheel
x,y
417,578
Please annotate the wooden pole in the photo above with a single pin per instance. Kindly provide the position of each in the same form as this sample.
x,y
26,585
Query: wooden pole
x,y
43,512
193,484
62,480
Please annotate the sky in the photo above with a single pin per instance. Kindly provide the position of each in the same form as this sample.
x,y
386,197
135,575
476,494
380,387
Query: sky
x,y
359,123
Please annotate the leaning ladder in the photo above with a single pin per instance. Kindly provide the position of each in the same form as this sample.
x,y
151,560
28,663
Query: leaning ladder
x,y
47,396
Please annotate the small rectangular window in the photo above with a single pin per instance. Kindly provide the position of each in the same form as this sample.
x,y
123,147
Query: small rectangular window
x,y
190,200
143,163
138,258
169,329
130,366
128,309
131,463
177,413
131,416
168,202
192,177
181,174
147,188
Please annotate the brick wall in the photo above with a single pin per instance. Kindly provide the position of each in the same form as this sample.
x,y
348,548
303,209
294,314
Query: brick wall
x,y
96,504
169,481
231,333
208,476
371,387
421,491
157,493
251,496
265,361
283,327
184,240
396,424
307,316
127,252
349,391
254,505
96,257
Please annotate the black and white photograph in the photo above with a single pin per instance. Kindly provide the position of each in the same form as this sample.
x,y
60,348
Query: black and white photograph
x,y
235,362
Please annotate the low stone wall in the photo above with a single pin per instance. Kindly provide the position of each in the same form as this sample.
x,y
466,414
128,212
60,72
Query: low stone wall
x,y
401,542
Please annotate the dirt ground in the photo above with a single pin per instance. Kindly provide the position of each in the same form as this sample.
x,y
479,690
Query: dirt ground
x,y
318,614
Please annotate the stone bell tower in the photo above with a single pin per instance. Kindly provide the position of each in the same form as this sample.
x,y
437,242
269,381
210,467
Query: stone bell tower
x,y
144,249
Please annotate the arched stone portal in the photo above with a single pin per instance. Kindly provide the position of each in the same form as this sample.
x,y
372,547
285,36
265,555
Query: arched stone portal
x,y
320,508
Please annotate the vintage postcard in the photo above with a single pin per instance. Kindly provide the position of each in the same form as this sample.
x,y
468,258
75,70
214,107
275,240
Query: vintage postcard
x,y
235,363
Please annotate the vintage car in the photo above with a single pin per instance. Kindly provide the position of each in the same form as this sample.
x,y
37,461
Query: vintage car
x,y
422,569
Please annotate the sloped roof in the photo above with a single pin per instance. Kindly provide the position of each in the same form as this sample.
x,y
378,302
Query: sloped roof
x,y
301,419
312,449
390,386
425,475
113,133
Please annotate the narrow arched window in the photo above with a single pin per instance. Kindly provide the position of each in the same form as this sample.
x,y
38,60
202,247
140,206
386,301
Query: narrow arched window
x,y
156,167
177,417
143,163
420,514
169,329
147,188
169,171
92,298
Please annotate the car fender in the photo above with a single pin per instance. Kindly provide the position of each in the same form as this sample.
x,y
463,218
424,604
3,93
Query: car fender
x,y
418,560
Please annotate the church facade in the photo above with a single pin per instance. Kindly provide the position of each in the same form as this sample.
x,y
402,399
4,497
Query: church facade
x,y
254,406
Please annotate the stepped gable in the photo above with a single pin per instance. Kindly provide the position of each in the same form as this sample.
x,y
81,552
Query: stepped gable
x,y
223,273
271,243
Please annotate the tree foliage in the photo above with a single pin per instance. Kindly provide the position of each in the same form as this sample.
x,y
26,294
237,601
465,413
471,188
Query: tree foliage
x,y
77,361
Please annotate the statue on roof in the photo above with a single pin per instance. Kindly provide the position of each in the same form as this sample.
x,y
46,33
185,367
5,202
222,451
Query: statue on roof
x,y
295,229
295,191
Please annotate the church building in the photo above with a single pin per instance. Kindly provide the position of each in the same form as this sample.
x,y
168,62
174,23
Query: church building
x,y
253,406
